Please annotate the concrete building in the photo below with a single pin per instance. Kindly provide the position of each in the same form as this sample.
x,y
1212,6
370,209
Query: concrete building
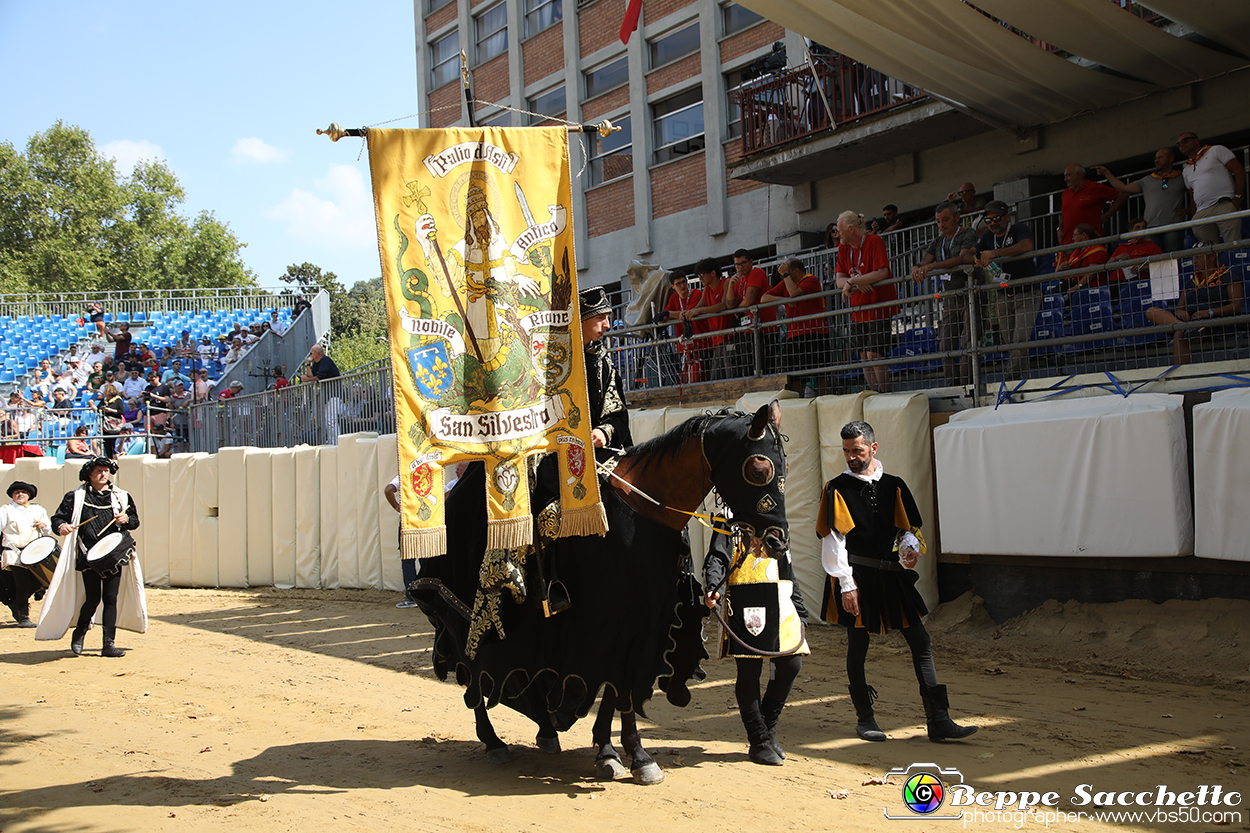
x,y
676,184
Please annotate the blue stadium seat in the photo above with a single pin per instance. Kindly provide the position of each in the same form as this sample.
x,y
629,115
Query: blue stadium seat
x,y
1053,302
1091,319
1049,325
916,342
1091,295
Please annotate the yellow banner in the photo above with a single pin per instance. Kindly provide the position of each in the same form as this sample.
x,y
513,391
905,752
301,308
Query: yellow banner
x,y
476,238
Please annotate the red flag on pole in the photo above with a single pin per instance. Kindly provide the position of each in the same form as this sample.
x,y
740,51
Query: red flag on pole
x,y
630,24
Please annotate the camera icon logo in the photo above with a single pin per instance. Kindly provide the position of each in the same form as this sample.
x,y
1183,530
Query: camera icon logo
x,y
924,791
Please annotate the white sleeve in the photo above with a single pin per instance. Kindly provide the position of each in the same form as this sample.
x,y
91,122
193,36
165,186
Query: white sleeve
x,y
833,557
908,541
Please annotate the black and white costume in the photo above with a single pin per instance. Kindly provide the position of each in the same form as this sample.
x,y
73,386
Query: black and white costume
x,y
865,519
79,586
19,526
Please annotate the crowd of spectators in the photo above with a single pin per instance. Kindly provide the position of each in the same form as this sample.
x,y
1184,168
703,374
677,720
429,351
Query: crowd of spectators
x,y
132,398
977,244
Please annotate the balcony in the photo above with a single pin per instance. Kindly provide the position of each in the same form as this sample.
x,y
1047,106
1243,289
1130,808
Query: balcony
x,y
801,124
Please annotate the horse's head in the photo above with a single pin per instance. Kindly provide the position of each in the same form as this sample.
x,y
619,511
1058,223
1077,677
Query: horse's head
x,y
748,468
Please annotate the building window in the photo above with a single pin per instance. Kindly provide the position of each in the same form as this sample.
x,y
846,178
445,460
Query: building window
x,y
679,44
435,5
607,77
678,125
492,32
549,104
501,119
737,18
542,14
445,53
733,110
613,157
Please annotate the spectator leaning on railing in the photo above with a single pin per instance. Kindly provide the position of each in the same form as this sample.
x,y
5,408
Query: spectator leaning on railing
x,y
1017,305
862,265
951,257
320,366
807,342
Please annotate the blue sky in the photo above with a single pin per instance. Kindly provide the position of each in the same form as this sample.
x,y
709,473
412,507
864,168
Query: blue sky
x,y
230,94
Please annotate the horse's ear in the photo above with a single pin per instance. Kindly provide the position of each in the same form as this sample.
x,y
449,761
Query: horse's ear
x,y
770,413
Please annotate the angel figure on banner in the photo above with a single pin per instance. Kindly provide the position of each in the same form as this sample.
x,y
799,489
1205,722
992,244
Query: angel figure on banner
x,y
483,263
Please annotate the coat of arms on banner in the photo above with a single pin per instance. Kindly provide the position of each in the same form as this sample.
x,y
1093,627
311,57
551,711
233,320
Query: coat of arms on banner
x,y
477,254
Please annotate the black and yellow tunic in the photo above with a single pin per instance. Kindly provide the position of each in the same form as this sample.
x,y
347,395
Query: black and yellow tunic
x,y
872,515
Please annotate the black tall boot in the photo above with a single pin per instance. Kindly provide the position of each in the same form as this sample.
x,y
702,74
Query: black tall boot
x,y
762,751
936,708
75,641
772,713
111,650
866,724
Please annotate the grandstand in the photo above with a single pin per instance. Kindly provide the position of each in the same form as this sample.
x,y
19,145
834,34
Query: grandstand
x,y
53,328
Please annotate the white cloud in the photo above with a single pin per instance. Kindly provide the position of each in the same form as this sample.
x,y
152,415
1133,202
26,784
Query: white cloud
x,y
339,213
126,153
252,149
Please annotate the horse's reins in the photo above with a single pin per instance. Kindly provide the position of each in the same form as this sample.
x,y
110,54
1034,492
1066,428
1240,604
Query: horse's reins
x,y
720,616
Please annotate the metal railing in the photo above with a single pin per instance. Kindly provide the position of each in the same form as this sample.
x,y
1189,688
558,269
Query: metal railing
x,y
127,302
797,102
309,413
943,338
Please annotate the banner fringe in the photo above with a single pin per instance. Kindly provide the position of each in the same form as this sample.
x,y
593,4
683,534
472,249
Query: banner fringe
x,y
509,533
423,543
585,520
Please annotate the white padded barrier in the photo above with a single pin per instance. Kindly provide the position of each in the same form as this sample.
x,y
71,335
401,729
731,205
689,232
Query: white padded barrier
x,y
331,529
345,512
832,412
259,464
307,517
901,423
368,543
181,521
388,518
1101,476
130,478
1222,477
232,508
282,492
204,519
154,521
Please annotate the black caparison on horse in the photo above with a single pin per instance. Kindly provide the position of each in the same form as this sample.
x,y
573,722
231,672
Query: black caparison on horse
x,y
636,611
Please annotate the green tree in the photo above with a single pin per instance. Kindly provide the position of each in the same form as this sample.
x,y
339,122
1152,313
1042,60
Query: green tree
x,y
358,322
68,221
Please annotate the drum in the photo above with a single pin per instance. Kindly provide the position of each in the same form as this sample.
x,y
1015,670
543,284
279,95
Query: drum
x,y
40,557
109,554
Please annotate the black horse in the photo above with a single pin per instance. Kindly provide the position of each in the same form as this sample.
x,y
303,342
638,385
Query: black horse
x,y
635,616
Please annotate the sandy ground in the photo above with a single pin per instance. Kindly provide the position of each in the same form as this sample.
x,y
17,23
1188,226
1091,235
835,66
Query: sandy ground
x,y
273,710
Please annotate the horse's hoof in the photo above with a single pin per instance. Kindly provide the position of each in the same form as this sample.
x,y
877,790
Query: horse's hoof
x,y
499,755
648,774
609,769
549,745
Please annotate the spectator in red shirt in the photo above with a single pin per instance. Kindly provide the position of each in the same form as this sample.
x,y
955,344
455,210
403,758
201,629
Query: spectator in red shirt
x,y
807,342
231,392
279,378
751,286
684,359
1083,202
1133,249
1082,257
714,355
863,267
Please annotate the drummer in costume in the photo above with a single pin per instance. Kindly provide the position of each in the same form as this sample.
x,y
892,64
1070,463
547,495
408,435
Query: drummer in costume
x,y
870,531
765,610
86,516
21,524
